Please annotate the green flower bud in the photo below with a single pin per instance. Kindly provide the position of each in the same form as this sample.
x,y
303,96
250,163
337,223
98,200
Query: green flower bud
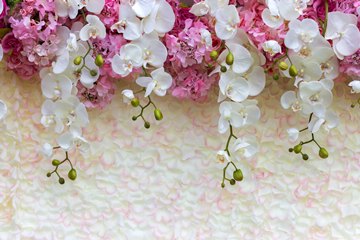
x,y
352,105
276,77
72,174
55,162
134,118
232,181
223,69
229,59
61,180
238,175
305,157
291,149
222,185
77,60
158,114
283,66
323,153
135,102
293,71
99,61
147,125
214,55
297,148
48,174
93,73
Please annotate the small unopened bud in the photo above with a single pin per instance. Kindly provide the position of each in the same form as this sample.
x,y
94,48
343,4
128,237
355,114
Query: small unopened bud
x,y
147,125
232,181
222,185
55,162
48,174
214,55
276,77
305,157
223,69
283,66
135,102
291,149
323,153
238,175
77,60
297,148
134,118
293,71
229,59
158,114
72,174
99,61
61,180
93,73
352,105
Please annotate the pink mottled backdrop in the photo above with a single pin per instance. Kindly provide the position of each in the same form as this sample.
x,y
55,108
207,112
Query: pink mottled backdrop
x,y
164,183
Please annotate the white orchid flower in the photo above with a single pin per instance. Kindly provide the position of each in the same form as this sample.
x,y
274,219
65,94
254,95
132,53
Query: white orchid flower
x,y
316,96
237,114
72,111
342,30
94,29
55,86
233,86
227,19
246,147
208,6
293,134
128,95
154,52
161,18
50,116
3,110
94,6
290,100
142,8
129,24
73,138
328,119
355,85
130,57
222,156
301,33
47,150
65,8
159,82
272,47
291,9
271,15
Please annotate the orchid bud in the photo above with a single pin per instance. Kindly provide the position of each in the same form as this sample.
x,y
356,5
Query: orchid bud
x,y
323,153
223,69
72,174
238,175
229,59
77,60
297,148
293,71
305,157
134,118
158,114
222,185
147,125
214,55
99,61
232,181
276,77
61,180
48,174
291,149
93,73
283,66
135,102
55,162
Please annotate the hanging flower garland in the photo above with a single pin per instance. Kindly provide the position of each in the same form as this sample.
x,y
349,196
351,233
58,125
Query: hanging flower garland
x,y
80,48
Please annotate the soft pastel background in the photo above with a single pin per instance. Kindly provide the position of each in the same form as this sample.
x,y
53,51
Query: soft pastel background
x,y
164,183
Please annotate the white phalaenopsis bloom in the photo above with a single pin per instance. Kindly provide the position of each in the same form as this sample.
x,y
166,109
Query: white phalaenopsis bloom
x,y
94,29
206,38
291,9
208,6
301,33
72,44
272,47
159,82
328,119
72,112
271,15
50,116
355,85
222,156
47,150
94,6
316,96
293,134
55,86
154,52
342,30
129,24
227,20
128,95
237,114
71,8
246,147
290,100
130,57
73,138
1,7
3,109
161,18
233,86
142,8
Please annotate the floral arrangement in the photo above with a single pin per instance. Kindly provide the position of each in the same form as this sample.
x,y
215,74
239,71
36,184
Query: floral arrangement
x,y
81,48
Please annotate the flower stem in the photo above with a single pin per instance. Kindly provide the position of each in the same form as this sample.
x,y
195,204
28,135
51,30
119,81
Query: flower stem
x,y
326,17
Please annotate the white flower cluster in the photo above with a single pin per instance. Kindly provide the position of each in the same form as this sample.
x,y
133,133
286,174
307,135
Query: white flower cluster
x,y
142,23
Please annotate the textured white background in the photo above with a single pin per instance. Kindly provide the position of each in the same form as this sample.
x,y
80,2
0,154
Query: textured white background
x,y
164,183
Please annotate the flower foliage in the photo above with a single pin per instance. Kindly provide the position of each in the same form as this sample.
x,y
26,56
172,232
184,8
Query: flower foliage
x,y
81,48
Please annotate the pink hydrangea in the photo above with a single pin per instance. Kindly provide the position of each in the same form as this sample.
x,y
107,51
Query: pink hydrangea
x,y
10,43
99,96
191,82
21,66
110,13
